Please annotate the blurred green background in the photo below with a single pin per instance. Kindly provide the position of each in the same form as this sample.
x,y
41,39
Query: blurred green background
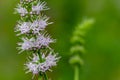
x,y
102,60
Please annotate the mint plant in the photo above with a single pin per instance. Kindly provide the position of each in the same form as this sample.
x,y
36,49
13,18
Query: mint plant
x,y
34,38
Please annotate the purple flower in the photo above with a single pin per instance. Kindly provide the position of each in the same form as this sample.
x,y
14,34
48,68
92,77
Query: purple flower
x,y
44,40
41,6
36,66
21,10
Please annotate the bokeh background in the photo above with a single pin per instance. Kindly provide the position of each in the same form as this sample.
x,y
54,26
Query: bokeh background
x,y
102,60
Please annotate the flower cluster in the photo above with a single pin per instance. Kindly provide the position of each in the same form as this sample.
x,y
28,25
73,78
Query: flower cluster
x,y
33,43
48,61
35,39
33,27
31,7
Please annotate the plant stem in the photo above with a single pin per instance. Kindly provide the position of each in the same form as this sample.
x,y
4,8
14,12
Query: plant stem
x,y
40,56
76,69
45,76
39,77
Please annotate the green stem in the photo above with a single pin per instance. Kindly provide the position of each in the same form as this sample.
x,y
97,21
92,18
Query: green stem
x,y
76,76
39,76
45,76
40,56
